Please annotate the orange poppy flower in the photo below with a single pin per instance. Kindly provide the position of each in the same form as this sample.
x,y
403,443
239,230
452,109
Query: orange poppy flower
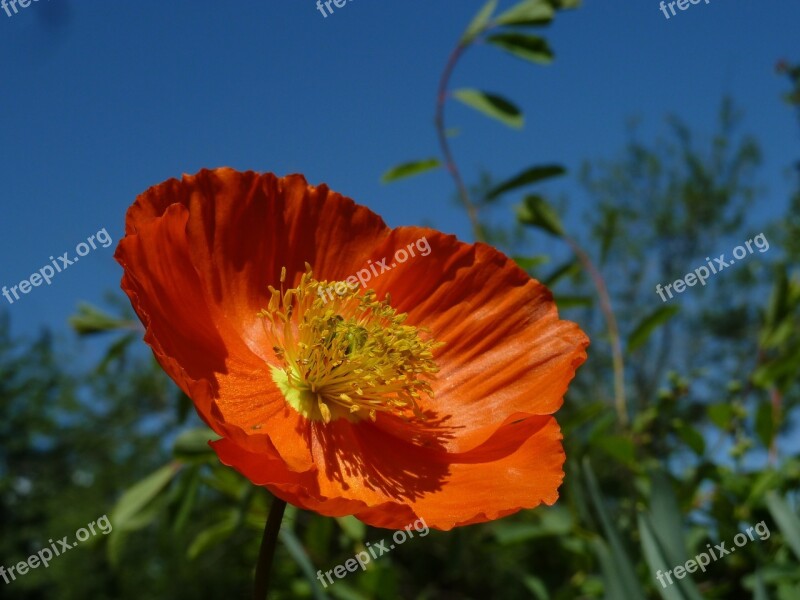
x,y
428,395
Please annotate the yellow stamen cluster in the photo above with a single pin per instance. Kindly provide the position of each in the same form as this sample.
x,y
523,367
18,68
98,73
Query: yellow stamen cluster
x,y
347,357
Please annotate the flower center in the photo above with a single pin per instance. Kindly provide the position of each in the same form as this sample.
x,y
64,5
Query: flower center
x,y
346,355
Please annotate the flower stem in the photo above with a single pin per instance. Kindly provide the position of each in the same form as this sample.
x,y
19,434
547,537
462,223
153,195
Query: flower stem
x,y
449,161
613,330
267,552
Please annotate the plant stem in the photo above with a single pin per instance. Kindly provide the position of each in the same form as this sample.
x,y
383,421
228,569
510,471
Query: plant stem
x,y
267,552
613,330
450,163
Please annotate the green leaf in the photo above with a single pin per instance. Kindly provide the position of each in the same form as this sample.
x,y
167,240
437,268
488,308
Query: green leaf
x,y
779,299
527,47
619,447
765,425
491,105
300,556
345,592
618,577
211,536
192,444
409,169
681,589
759,587
479,22
721,415
352,527
526,263
554,521
526,177
666,517
536,587
786,519
568,269
188,494
115,352
134,501
649,324
665,523
116,542
691,437
608,233
573,301
90,320
528,12
536,212
777,371
616,564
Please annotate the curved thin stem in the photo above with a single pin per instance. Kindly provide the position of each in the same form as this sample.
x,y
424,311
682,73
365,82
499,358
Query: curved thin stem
x,y
613,330
267,552
441,99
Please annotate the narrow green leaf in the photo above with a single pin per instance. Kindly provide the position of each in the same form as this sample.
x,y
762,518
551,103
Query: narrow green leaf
x,y
759,587
116,352
565,4
352,527
527,12
721,415
666,517
193,444
568,269
526,177
90,320
479,22
188,495
608,233
765,425
300,556
619,447
573,301
409,169
116,542
526,263
613,581
537,587
691,437
616,562
211,536
659,563
662,533
345,592
649,324
136,499
778,300
491,105
775,371
536,212
787,521
527,47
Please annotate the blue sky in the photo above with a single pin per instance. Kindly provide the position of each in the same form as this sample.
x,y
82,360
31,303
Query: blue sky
x,y
103,99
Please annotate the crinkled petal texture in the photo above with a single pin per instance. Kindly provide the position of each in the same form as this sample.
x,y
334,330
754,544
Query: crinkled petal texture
x,y
198,257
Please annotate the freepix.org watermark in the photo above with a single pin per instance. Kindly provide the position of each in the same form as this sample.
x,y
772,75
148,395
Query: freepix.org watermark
x,y
362,559
702,560
57,548
5,4
327,5
365,275
47,272
682,5
701,274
